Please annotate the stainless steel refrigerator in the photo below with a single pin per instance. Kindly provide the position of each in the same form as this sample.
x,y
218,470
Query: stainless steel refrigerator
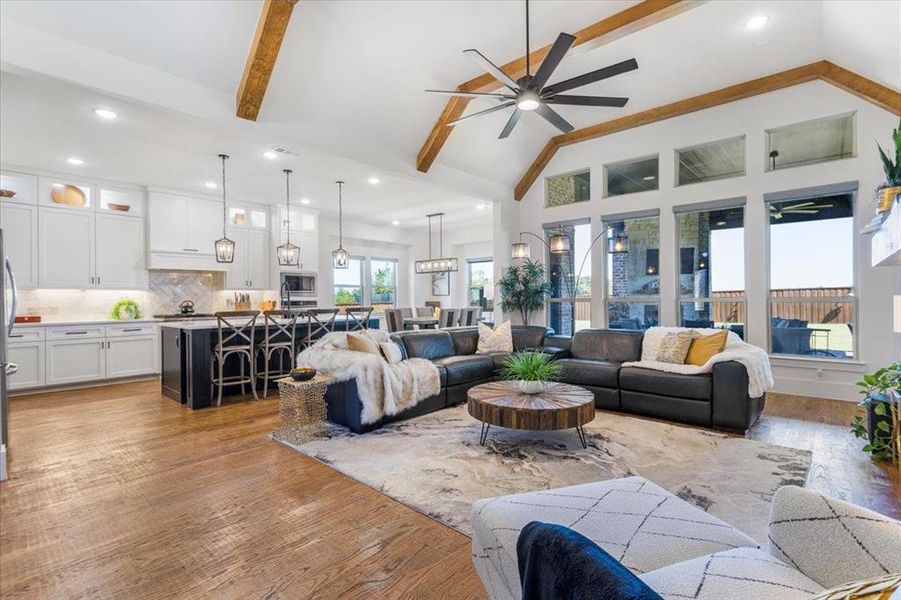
x,y
8,302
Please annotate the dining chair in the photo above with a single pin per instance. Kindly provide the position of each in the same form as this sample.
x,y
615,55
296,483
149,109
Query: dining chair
x,y
425,311
235,336
407,312
394,319
318,327
448,317
278,341
358,317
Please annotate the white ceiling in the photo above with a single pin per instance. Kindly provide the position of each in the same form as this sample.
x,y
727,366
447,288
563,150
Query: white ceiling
x,y
349,83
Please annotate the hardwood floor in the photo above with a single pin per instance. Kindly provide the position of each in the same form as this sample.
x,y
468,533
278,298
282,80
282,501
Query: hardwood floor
x,y
119,492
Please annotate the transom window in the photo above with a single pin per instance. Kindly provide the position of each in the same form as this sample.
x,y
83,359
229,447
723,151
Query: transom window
x,y
810,142
628,177
567,189
709,162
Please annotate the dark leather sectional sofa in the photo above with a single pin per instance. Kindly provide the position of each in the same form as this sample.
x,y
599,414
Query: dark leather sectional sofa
x,y
592,359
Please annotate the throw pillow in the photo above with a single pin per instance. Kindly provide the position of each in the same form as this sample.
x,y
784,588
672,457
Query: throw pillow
x,y
392,352
362,343
674,347
704,347
880,588
499,339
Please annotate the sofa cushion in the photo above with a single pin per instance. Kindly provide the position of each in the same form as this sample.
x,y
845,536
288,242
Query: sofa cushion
x,y
606,344
597,373
466,339
499,358
499,339
738,573
528,336
427,344
696,387
463,369
637,522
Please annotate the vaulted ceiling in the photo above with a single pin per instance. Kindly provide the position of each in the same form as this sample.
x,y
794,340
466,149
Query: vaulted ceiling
x,y
348,84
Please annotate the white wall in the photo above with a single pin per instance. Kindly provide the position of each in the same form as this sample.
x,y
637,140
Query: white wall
x,y
822,378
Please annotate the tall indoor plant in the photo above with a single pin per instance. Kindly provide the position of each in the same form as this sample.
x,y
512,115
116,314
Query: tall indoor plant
x,y
524,288
882,394
890,189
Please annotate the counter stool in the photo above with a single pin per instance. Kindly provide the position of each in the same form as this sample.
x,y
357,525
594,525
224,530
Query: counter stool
x,y
278,340
317,327
236,330
358,317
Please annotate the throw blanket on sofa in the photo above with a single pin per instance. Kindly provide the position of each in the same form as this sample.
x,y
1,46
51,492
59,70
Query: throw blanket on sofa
x,y
384,389
755,360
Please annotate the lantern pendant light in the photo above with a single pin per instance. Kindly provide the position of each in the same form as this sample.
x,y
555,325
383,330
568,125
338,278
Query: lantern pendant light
x,y
618,242
288,254
520,249
225,248
339,256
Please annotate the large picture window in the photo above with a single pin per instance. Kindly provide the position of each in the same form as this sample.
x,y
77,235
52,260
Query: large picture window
x,y
480,283
382,283
563,273
712,267
349,283
633,277
812,305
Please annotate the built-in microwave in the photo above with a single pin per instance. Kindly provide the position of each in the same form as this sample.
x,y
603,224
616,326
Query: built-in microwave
x,y
299,284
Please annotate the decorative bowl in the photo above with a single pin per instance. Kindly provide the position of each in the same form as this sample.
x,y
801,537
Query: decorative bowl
x,y
119,207
70,195
7,193
302,374
532,387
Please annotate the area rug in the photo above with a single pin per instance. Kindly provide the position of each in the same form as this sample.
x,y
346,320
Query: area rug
x,y
435,464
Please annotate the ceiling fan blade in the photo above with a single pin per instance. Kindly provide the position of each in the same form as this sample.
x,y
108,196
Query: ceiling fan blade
x,y
587,100
484,112
801,205
561,46
554,118
511,123
580,80
492,68
799,211
470,94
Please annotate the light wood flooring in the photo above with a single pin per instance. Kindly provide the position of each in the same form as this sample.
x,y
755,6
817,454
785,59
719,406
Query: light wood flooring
x,y
119,492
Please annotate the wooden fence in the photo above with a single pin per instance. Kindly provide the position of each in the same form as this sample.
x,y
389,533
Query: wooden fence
x,y
835,311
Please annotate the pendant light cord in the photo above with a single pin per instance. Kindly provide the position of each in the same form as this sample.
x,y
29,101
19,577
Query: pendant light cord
x,y
430,237
288,202
441,235
528,64
340,216
224,210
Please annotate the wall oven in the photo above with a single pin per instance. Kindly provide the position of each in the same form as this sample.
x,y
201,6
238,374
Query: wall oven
x,y
300,285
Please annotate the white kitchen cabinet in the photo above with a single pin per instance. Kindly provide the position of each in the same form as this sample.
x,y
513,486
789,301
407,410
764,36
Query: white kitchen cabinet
x,y
119,252
128,356
24,185
182,231
236,271
309,251
29,357
205,225
20,240
75,360
167,223
250,269
65,248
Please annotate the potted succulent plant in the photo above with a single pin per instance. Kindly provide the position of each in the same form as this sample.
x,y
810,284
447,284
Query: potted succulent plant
x,y
891,188
531,370
882,430
524,288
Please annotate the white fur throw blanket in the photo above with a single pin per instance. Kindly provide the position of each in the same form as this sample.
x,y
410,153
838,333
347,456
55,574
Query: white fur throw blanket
x,y
384,389
755,360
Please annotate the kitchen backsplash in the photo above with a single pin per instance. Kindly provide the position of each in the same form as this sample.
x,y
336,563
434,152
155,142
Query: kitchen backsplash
x,y
166,290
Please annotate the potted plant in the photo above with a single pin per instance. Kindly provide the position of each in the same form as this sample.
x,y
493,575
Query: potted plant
x,y
882,394
531,370
125,309
888,191
524,288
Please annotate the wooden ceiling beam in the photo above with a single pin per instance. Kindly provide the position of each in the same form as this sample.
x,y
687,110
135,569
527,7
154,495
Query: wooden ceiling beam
x,y
867,89
612,28
267,40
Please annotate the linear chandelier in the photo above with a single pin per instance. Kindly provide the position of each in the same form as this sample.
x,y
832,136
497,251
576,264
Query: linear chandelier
x,y
437,265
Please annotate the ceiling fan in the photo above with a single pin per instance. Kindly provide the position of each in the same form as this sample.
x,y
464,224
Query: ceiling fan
x,y
530,93
804,208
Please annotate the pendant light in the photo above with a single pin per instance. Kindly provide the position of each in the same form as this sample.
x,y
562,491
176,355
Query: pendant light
x,y
288,254
339,256
225,248
521,249
559,243
437,265
618,242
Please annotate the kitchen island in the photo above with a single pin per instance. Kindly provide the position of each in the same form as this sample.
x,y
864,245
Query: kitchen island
x,y
186,349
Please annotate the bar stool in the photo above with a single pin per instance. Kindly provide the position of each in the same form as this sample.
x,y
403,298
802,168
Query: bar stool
x,y
358,317
236,329
317,327
448,317
278,340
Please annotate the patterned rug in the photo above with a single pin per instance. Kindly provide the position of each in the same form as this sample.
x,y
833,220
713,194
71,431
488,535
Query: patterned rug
x,y
434,463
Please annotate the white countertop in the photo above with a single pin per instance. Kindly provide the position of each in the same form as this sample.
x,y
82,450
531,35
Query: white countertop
x,y
63,322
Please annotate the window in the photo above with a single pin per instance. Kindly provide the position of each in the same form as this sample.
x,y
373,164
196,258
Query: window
x,y
567,189
810,142
712,268
568,273
633,277
709,162
382,283
349,283
628,177
812,305
480,283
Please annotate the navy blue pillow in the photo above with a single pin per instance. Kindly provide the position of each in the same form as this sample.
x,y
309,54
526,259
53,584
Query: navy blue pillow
x,y
557,563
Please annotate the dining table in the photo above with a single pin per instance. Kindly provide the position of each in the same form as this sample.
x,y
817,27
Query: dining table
x,y
420,322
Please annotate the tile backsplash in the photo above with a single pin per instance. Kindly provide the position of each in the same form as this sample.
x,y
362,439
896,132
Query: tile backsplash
x,y
166,289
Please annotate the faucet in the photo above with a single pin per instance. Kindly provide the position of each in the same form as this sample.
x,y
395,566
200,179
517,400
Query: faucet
x,y
284,295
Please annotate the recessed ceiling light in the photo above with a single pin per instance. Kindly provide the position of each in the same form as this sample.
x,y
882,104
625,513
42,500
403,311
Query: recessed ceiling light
x,y
395,222
105,114
75,161
304,200
650,178
757,22
482,206
270,154
373,180
210,185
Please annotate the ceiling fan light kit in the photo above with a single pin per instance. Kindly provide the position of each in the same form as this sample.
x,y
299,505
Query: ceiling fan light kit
x,y
530,92
437,265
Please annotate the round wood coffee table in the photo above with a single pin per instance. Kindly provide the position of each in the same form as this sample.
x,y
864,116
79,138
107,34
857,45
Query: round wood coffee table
x,y
560,406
